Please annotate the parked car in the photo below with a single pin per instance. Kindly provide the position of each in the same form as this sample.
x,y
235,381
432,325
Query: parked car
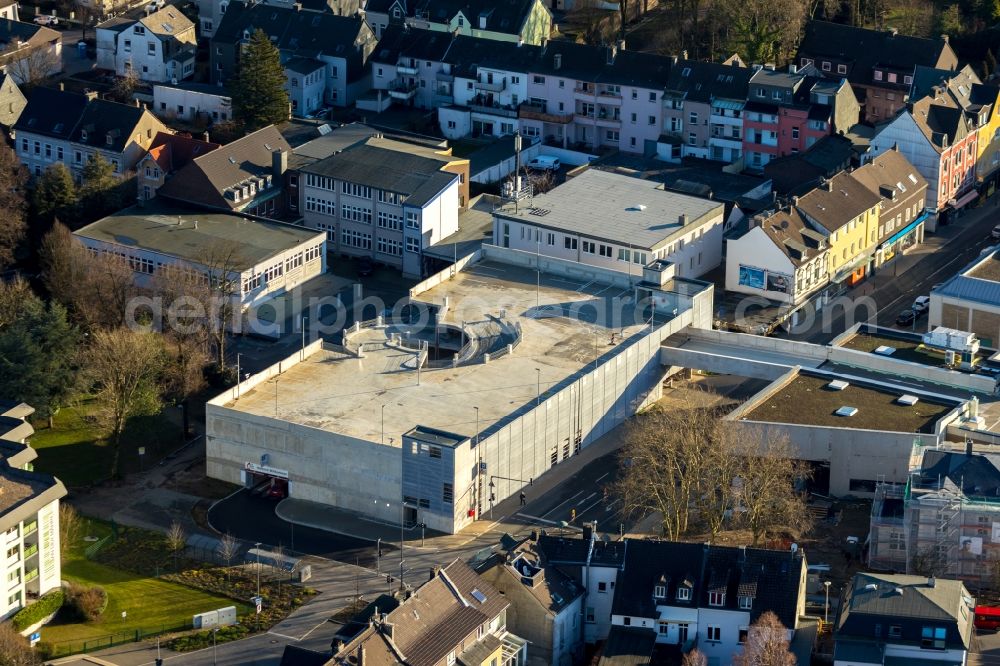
x,y
45,19
278,489
155,6
544,163
996,232
987,618
906,318
921,304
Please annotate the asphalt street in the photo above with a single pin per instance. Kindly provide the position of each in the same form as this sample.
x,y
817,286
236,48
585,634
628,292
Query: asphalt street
x,y
894,286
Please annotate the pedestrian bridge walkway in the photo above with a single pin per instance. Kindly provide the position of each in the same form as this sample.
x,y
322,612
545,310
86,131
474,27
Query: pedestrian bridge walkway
x,y
739,353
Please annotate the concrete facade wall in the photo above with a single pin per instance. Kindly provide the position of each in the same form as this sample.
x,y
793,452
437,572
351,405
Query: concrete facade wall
x,y
41,530
170,103
979,318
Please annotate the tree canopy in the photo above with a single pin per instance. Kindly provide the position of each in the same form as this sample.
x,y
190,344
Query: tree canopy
x,y
258,89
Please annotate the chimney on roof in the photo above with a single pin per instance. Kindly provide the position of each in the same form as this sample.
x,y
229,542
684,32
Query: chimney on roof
x,y
795,200
557,61
279,163
621,44
931,582
828,186
612,52
684,54
361,655
944,38
298,6
968,446
91,95
682,219
136,102
793,69
434,573
62,87
893,32
588,531
204,136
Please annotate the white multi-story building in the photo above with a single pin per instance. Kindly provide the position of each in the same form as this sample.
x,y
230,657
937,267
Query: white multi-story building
x,y
382,200
29,516
158,47
192,101
265,258
617,222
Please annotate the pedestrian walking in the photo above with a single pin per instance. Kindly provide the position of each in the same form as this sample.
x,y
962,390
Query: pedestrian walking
x,y
523,498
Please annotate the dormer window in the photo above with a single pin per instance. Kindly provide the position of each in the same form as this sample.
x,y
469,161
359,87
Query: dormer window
x,y
108,139
659,592
683,593
83,135
746,603
716,598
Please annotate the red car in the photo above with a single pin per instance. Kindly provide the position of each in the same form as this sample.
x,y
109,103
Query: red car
x,y
278,489
987,618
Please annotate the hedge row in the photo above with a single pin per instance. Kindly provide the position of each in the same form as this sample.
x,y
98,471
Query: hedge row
x,y
46,605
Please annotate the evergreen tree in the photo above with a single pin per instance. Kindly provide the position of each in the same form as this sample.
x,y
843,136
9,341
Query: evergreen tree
x,y
258,91
101,193
13,178
55,195
37,350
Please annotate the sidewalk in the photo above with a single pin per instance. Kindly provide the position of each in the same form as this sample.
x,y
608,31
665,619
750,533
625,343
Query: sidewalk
x,y
340,521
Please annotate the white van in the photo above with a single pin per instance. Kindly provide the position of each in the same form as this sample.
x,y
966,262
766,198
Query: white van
x,y
544,163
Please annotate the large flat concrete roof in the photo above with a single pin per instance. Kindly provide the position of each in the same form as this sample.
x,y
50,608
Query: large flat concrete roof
x,y
807,400
346,395
620,209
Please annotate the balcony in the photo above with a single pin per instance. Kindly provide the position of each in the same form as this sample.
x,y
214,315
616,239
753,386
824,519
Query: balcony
x,y
530,111
31,575
494,86
494,110
30,528
402,90
444,77
30,550
410,71
443,98
610,97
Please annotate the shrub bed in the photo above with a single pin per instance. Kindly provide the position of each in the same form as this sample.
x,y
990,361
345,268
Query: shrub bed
x,y
85,604
46,605
203,639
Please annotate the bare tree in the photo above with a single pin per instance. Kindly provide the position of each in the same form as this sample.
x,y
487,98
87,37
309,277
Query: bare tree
x,y
227,549
13,178
125,86
95,287
694,658
223,261
184,296
927,562
14,648
31,65
13,295
70,528
766,483
766,644
124,370
176,540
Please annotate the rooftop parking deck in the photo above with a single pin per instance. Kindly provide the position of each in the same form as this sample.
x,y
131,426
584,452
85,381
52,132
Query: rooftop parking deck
x,y
565,326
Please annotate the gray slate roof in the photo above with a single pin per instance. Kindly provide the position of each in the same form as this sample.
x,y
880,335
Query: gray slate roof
x,y
419,178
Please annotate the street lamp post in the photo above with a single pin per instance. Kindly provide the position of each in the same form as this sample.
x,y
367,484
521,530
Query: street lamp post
x,y
215,647
826,609
257,548
383,424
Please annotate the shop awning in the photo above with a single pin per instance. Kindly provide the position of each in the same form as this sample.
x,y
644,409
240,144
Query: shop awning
x,y
963,200
905,230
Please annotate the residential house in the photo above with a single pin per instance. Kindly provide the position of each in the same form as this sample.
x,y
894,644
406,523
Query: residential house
x,y
685,594
29,52
265,259
407,64
383,200
788,112
800,172
454,617
650,224
886,618
168,153
902,210
878,64
12,101
192,102
67,127
340,44
979,102
847,213
8,10
956,490
545,603
158,47
615,97
780,257
246,175
940,139
29,515
518,21
703,110
210,12
305,82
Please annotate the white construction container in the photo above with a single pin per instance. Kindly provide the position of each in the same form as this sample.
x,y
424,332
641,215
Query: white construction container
x,y
953,339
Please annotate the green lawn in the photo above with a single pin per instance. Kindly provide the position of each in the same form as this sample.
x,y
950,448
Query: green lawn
x,y
74,450
149,604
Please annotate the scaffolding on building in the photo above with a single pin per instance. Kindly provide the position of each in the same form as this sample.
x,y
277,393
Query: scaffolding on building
x,y
930,525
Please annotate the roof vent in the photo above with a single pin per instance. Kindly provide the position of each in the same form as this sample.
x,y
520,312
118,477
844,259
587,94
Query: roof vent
x,y
884,350
837,385
871,587
846,411
908,400
897,590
